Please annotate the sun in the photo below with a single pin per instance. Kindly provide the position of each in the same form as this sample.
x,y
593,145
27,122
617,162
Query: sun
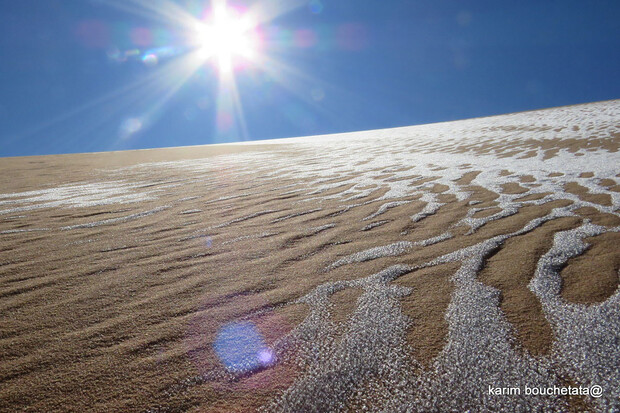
x,y
229,37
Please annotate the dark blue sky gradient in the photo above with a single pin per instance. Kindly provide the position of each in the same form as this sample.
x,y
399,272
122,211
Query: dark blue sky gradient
x,y
397,64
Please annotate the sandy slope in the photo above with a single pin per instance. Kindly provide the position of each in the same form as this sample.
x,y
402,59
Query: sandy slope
x,y
395,270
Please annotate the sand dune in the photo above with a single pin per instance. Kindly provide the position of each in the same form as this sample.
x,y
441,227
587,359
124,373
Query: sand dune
x,y
414,269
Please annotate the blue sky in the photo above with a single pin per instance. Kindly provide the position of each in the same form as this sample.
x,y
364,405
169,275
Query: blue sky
x,y
84,76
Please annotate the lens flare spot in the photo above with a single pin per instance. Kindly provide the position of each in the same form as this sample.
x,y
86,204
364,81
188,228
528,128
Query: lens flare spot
x,y
241,348
141,36
150,60
315,6
130,126
266,357
305,38
132,53
114,54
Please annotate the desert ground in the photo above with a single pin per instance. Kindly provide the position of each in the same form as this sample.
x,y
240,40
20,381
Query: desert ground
x,y
444,267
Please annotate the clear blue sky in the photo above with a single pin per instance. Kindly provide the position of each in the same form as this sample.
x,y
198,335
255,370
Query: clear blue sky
x,y
83,76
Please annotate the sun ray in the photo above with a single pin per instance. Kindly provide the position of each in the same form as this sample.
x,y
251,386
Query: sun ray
x,y
149,93
268,10
149,80
238,107
226,37
163,11
299,82
184,69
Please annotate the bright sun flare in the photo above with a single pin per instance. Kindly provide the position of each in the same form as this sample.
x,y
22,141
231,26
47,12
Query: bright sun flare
x,y
227,37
